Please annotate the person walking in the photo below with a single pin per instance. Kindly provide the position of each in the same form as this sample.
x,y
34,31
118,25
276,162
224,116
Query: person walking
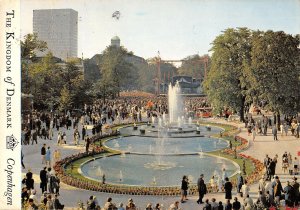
x,y
83,132
277,189
274,132
44,180
48,157
33,137
228,189
184,188
295,186
240,182
43,154
201,189
245,189
76,137
56,155
289,195
87,143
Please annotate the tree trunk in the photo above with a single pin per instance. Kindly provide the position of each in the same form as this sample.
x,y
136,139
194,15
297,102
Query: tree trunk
x,y
242,117
278,120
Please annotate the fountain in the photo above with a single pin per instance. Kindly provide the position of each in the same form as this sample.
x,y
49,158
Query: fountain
x,y
99,171
190,121
121,176
164,118
174,149
117,145
201,154
160,122
153,120
154,181
174,99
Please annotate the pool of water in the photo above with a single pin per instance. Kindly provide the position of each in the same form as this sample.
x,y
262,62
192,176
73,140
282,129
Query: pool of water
x,y
150,145
151,170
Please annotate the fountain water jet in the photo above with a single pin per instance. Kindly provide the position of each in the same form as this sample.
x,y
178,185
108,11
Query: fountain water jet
x,y
175,103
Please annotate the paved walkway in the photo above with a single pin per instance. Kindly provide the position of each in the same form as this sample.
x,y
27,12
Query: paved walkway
x,y
70,195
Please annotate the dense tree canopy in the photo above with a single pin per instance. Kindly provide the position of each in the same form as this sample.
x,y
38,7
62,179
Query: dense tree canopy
x,y
226,82
51,82
249,66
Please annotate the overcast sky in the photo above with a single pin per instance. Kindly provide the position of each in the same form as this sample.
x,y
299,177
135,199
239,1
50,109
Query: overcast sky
x,y
176,28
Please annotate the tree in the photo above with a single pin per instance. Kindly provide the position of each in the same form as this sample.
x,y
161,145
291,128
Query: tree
x,y
226,83
43,81
31,45
274,71
72,79
65,101
116,70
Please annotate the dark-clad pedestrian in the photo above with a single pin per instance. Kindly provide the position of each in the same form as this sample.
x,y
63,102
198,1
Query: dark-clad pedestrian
x,y
201,189
228,189
236,205
240,182
87,143
274,132
83,132
220,206
295,185
43,154
228,205
44,180
184,188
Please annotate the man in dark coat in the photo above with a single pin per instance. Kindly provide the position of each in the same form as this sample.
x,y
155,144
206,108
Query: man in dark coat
x,y
44,180
228,189
295,185
289,194
277,189
240,182
87,143
83,132
201,189
236,205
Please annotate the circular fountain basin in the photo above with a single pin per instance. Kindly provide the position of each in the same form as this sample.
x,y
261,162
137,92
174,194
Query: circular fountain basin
x,y
183,131
148,170
149,145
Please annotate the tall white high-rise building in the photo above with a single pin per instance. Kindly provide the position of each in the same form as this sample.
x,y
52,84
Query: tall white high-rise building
x,y
59,28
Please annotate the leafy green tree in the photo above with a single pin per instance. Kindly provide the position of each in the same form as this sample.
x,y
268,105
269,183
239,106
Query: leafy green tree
x,y
226,83
65,101
72,78
116,70
274,72
44,81
31,45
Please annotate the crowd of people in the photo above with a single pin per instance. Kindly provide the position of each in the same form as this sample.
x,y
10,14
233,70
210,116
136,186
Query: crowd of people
x,y
262,124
